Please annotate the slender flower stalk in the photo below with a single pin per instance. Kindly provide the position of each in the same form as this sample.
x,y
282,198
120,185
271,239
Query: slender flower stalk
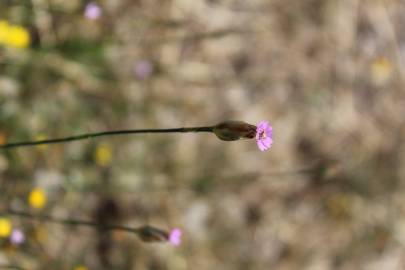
x,y
146,233
104,134
225,131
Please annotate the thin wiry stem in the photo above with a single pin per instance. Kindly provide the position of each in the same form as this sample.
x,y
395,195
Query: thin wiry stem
x,y
105,133
70,222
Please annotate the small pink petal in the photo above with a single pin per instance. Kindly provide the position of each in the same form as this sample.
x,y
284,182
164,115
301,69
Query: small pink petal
x,y
261,146
175,237
267,142
264,135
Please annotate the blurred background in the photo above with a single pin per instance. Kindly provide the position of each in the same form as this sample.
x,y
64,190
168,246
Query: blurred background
x,y
327,74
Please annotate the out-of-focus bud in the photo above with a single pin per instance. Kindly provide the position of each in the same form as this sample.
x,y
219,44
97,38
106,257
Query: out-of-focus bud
x,y
234,130
17,237
151,234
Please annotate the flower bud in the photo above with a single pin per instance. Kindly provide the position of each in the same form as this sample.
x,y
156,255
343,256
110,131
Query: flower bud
x,y
151,234
234,130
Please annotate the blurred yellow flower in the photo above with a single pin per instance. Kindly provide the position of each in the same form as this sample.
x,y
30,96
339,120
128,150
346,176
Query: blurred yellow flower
x,y
80,267
5,227
18,37
37,198
381,70
103,155
14,35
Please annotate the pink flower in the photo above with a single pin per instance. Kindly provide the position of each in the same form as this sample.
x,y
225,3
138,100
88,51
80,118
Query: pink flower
x,y
175,237
17,237
264,135
92,11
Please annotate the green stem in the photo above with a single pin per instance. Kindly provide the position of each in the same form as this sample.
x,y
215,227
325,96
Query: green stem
x,y
106,133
